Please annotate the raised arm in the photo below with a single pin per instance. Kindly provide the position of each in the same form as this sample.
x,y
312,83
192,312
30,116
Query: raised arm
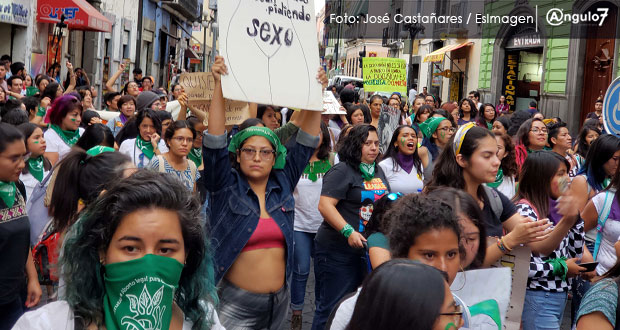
x,y
217,116
183,103
109,85
311,123
72,81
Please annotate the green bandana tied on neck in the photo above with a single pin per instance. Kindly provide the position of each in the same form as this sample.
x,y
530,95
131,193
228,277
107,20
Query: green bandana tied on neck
x,y
429,126
195,155
145,146
499,178
35,167
96,150
69,137
313,169
139,293
268,134
7,193
368,171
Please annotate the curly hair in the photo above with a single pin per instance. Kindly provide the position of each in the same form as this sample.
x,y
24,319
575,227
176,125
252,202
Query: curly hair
x,y
145,189
509,163
350,151
415,214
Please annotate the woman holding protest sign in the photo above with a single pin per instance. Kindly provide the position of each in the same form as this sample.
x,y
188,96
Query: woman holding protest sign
x,y
252,212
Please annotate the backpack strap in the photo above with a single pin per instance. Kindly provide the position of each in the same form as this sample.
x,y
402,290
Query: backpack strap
x,y
494,200
602,219
162,166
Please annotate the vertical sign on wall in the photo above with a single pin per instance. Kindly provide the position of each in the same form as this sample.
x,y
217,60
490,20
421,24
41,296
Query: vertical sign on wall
x,y
509,85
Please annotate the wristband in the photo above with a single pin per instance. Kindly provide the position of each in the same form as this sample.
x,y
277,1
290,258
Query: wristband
x,y
347,230
41,111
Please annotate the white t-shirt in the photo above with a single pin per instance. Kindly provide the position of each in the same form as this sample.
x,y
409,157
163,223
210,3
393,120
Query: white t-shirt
x,y
400,180
30,182
307,194
129,148
611,231
58,315
507,187
54,143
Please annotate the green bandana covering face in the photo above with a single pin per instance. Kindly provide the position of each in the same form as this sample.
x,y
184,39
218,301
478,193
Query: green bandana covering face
x,y
139,293
368,171
35,167
96,150
268,134
69,137
145,146
195,155
429,126
7,193
499,178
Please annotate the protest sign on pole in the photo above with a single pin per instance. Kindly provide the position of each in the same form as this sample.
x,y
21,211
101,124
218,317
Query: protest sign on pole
x,y
199,87
271,52
383,74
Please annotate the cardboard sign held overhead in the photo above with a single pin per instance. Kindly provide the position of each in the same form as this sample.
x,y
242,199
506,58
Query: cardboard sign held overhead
x,y
331,106
271,52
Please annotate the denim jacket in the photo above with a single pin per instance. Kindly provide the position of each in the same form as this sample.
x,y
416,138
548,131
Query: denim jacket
x,y
234,208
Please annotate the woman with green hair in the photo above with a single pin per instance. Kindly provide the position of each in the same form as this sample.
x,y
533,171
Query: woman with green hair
x,y
251,212
136,259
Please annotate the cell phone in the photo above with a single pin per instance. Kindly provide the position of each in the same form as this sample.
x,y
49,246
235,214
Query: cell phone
x,y
589,266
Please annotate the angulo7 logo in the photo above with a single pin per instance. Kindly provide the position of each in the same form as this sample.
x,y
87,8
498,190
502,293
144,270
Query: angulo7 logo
x,y
556,16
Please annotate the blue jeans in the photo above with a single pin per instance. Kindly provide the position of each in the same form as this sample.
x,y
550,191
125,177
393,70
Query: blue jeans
x,y
337,274
303,250
543,309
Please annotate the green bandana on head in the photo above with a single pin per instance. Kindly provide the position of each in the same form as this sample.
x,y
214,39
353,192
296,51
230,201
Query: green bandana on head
x,y
139,293
35,167
69,137
96,150
368,171
195,155
268,134
429,126
145,146
7,193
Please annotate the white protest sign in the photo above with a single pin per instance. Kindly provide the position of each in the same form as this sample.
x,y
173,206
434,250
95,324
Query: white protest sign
x,y
331,106
271,51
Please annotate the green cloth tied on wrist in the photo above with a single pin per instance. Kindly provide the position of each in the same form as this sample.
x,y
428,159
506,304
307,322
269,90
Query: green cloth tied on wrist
x,y
347,230
560,268
41,111
237,141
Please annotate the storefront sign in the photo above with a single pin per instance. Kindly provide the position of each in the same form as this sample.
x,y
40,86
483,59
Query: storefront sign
x,y
509,86
15,12
529,40
382,74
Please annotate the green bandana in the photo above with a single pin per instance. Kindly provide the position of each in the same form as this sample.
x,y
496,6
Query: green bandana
x,y
368,171
268,134
499,178
139,293
145,146
315,168
430,125
96,150
195,155
7,193
606,182
489,126
35,167
559,267
69,137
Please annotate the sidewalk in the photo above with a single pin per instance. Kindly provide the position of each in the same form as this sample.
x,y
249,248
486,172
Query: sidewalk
x,y
309,306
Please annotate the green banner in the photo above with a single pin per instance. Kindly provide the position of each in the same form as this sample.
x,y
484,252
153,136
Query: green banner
x,y
384,74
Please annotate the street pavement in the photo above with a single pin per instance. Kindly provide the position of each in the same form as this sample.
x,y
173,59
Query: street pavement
x,y
308,312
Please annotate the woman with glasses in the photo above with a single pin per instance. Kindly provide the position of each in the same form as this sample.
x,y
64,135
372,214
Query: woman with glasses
x,y
179,138
64,117
437,133
16,261
531,136
252,211
349,190
403,162
147,144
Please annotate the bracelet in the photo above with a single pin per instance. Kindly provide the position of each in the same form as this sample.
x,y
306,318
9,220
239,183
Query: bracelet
x,y
505,245
502,246
347,230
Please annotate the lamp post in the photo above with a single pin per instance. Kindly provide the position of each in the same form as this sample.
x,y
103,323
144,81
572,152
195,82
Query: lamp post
x,y
209,20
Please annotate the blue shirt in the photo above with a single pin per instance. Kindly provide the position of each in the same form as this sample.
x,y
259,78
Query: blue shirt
x,y
234,209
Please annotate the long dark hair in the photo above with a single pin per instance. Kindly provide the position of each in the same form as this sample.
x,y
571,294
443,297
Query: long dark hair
x,y
516,120
82,177
505,121
509,163
447,171
145,189
27,129
523,133
537,172
601,151
409,292
462,202
152,115
8,135
392,151
351,108
177,125
481,120
351,149
96,135
326,143
50,91
582,144
422,110
472,105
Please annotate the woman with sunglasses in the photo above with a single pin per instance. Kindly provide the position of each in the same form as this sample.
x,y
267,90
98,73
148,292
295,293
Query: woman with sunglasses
x,y
252,211
531,136
403,162
349,190
16,258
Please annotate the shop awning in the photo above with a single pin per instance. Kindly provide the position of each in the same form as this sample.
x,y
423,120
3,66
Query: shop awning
x,y
79,15
190,53
437,56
